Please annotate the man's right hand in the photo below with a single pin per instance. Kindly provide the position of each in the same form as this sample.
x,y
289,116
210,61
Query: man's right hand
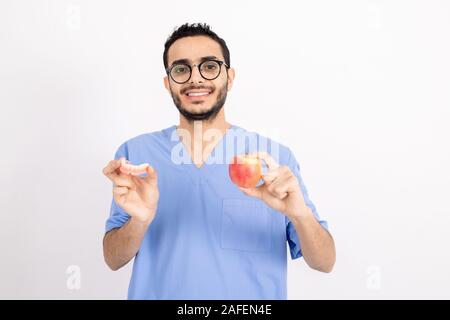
x,y
138,196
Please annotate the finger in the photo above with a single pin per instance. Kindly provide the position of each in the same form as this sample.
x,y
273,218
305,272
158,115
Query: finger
x,y
282,171
120,191
252,192
280,187
284,185
124,181
152,176
278,193
124,170
271,175
110,170
267,158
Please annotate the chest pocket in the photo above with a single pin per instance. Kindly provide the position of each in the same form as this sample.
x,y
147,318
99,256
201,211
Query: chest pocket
x,y
246,225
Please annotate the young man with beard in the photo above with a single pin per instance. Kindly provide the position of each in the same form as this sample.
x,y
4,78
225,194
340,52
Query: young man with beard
x,y
193,234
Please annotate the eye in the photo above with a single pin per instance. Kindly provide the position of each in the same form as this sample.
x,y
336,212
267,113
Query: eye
x,y
179,69
211,66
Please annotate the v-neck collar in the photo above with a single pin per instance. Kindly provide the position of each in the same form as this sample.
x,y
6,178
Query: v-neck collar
x,y
175,139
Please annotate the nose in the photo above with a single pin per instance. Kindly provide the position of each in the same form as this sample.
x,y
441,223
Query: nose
x,y
196,77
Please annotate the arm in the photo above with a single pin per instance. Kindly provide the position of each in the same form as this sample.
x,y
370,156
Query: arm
x,y
138,197
281,191
120,245
317,244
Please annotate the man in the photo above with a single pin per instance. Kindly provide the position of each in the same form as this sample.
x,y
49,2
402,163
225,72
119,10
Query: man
x,y
192,232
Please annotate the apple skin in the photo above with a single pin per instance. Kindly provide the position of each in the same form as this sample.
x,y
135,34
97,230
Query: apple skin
x,y
245,171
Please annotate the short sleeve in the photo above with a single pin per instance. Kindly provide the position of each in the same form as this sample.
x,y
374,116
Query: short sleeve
x,y
291,234
117,216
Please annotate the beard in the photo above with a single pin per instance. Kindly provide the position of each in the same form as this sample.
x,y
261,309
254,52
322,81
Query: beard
x,y
206,115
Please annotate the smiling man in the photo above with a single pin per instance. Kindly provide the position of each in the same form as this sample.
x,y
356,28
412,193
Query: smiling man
x,y
192,233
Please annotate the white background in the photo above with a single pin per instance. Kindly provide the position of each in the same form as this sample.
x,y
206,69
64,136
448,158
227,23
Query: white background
x,y
359,90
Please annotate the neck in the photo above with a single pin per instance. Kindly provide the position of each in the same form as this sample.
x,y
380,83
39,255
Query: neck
x,y
203,135
218,123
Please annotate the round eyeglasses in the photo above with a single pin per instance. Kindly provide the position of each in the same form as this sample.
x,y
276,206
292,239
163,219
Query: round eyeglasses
x,y
209,70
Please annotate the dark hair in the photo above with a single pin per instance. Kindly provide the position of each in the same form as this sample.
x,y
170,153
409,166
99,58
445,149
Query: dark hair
x,y
195,29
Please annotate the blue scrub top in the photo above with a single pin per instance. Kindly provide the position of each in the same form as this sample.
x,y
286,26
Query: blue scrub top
x,y
209,240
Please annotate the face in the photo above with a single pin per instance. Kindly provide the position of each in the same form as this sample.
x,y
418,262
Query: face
x,y
198,98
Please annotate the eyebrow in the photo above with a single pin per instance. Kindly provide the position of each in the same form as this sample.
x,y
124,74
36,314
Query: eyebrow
x,y
188,61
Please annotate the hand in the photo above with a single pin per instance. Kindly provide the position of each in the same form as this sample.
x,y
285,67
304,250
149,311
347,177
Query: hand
x,y
280,190
138,196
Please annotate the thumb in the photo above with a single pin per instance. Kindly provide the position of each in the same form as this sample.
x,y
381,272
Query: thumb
x,y
152,176
252,192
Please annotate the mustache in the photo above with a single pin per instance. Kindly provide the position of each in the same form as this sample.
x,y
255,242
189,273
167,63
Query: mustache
x,y
196,88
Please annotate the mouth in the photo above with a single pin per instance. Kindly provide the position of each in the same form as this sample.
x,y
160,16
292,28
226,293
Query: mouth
x,y
198,94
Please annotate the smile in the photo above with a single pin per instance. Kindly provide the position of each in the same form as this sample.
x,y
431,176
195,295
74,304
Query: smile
x,y
197,94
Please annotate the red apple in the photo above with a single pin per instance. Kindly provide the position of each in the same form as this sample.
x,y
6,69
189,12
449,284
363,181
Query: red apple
x,y
245,171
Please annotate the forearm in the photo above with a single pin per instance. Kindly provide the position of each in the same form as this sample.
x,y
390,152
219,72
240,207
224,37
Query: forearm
x,y
317,244
121,245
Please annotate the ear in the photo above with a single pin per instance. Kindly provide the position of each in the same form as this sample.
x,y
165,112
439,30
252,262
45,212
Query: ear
x,y
231,75
166,83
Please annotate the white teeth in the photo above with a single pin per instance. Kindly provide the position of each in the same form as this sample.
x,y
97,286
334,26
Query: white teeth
x,y
197,94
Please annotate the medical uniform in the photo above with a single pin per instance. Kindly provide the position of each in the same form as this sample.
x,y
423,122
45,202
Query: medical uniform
x,y
208,239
